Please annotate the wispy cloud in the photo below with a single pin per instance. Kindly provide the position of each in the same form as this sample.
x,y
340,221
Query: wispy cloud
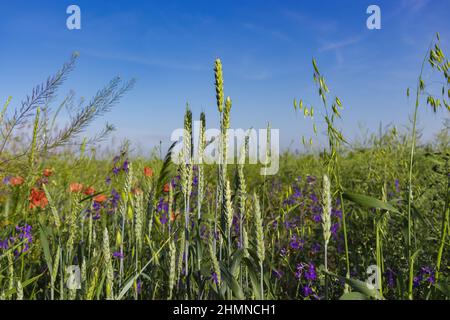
x,y
277,34
335,45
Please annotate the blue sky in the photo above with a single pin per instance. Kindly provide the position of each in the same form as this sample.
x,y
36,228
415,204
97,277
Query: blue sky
x,y
265,46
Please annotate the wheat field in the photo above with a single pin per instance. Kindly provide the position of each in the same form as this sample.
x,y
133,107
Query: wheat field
x,y
133,227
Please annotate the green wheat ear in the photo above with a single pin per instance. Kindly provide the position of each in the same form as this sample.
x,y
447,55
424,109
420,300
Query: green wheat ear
x,y
326,212
108,266
219,84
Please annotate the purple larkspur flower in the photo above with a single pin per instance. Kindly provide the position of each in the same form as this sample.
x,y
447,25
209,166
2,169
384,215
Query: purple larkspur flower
x,y
313,197
427,273
162,206
311,274
214,277
277,273
308,270
115,171
307,291
283,252
4,244
316,247
108,180
96,206
317,218
416,281
295,243
163,218
6,179
96,216
310,179
125,165
195,181
22,236
335,228
117,255
139,286
391,278
114,200
397,186
297,193
336,213
299,270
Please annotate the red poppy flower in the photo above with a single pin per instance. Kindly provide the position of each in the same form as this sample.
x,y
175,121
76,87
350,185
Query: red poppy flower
x,y
166,188
75,187
89,191
47,172
16,181
100,198
148,172
38,199
173,216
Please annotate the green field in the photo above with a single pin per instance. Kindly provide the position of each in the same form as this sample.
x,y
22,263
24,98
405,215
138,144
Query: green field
x,y
145,228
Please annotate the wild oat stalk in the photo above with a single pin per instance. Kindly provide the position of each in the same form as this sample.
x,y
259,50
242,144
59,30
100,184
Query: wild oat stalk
x,y
335,140
439,62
